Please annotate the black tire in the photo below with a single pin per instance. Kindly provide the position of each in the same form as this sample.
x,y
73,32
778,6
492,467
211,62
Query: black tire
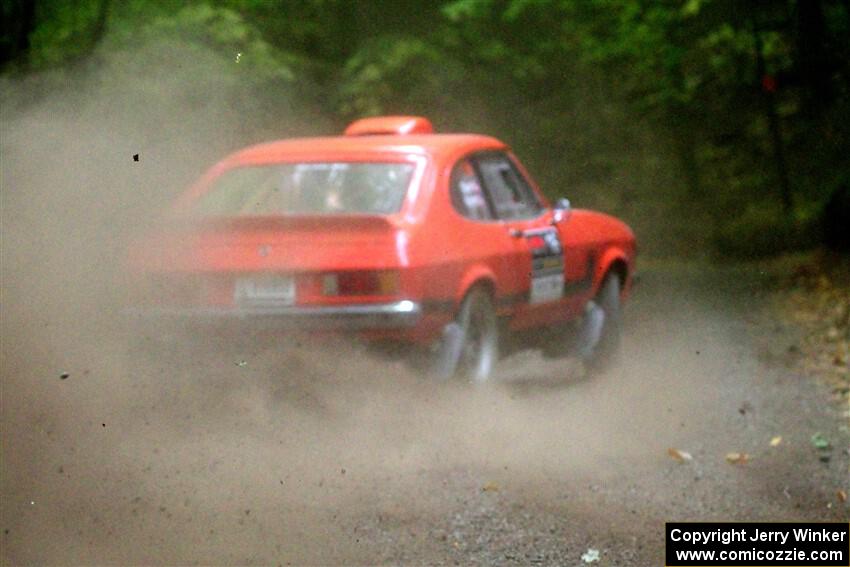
x,y
469,348
605,351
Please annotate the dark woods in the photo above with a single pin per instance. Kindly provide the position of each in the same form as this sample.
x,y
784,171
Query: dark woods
x,y
716,124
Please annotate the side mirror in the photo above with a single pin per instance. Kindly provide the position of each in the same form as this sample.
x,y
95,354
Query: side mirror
x,y
562,210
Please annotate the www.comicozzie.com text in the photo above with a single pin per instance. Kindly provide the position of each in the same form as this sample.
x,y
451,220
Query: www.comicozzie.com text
x,y
726,536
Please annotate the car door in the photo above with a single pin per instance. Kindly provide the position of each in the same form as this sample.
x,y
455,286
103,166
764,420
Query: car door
x,y
481,240
537,252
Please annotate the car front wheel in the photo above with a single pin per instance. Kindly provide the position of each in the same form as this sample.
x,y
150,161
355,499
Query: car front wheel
x,y
601,327
469,348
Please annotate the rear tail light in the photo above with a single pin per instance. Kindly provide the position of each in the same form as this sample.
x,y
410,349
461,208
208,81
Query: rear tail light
x,y
360,283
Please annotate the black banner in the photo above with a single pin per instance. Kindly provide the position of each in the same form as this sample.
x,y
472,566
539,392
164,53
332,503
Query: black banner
x,y
758,544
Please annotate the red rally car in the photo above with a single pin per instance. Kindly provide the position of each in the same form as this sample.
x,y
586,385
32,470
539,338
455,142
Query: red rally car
x,y
390,232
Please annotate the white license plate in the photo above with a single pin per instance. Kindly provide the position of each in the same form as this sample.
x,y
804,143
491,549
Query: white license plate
x,y
547,288
272,289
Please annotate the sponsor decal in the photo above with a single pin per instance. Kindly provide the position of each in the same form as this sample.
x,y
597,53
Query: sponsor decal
x,y
547,266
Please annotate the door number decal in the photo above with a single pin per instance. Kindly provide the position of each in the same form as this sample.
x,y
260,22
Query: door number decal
x,y
547,266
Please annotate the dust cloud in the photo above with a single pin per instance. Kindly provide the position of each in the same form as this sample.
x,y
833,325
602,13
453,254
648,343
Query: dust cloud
x,y
249,452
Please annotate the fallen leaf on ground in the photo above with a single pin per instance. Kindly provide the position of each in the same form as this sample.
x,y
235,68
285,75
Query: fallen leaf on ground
x,y
590,556
681,456
820,442
842,496
737,458
776,441
490,487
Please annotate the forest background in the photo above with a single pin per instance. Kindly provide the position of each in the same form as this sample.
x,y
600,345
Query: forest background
x,y
714,127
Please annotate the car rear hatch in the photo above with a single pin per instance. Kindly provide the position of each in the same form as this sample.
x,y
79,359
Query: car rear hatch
x,y
259,262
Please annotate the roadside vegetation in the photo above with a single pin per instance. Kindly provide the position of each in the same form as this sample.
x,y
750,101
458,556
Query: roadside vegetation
x,y
812,295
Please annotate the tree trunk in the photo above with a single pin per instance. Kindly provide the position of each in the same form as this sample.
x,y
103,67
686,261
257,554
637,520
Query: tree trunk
x,y
769,103
19,24
99,28
812,58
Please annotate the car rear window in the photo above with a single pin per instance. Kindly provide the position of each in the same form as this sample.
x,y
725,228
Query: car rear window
x,y
307,188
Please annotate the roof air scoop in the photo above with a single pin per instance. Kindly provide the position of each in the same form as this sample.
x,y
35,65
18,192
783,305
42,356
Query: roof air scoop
x,y
383,125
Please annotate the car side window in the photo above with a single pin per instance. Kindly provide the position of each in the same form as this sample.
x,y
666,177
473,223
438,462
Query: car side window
x,y
467,194
511,195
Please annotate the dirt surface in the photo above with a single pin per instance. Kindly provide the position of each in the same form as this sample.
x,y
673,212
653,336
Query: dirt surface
x,y
317,454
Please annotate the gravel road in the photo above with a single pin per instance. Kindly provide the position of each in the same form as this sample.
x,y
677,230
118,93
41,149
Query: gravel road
x,y
322,455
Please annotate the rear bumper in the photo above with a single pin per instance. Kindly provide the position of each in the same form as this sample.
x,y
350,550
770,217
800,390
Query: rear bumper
x,y
396,315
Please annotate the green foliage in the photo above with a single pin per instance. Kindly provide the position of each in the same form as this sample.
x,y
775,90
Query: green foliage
x,y
221,31
64,32
763,230
680,115
463,9
390,69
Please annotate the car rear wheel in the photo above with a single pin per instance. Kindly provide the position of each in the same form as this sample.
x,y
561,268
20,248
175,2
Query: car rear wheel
x,y
601,327
469,348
